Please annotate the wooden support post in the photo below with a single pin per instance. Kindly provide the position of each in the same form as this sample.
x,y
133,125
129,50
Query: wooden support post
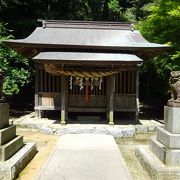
x,y
36,96
63,100
110,99
137,95
66,97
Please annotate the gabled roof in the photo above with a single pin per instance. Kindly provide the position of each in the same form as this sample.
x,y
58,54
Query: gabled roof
x,y
85,35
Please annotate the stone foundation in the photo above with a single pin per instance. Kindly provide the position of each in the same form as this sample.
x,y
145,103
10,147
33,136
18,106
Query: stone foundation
x,y
156,168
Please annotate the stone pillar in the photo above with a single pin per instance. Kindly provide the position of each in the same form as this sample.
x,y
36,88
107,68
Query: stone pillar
x,y
1,83
63,100
110,99
4,115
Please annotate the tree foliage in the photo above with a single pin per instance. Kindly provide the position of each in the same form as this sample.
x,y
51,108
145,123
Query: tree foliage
x,y
161,26
159,22
17,70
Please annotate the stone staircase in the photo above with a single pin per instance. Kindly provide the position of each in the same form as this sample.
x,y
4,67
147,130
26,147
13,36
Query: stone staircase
x,y
14,153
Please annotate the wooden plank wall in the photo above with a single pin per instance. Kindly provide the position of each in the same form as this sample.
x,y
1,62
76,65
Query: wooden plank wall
x,y
48,82
49,90
125,82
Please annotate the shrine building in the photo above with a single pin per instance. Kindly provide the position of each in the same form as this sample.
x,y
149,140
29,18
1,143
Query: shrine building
x,y
86,66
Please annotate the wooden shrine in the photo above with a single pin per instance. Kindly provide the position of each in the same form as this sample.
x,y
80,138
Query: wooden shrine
x,y
86,66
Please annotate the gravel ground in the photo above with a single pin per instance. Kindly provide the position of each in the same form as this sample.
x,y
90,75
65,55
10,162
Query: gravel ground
x,y
127,147
46,143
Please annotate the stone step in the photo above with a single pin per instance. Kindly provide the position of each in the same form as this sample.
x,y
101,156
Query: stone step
x,y
168,139
12,167
4,115
9,149
170,157
7,134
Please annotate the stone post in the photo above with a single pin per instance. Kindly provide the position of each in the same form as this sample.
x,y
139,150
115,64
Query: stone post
x,y
1,84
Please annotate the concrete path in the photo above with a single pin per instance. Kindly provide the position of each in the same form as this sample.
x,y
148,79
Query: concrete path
x,y
85,157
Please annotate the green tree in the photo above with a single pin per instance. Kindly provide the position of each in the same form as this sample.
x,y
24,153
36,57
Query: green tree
x,y
17,70
114,9
161,26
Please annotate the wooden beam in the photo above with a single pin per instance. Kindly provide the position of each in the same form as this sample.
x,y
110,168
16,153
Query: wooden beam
x,y
84,109
66,96
63,100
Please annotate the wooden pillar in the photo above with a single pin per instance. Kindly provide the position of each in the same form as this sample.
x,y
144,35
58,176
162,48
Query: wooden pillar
x,y
66,97
36,96
110,99
137,95
63,100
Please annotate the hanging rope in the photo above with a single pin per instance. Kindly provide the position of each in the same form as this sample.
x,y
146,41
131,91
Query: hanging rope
x,y
87,93
52,69
81,77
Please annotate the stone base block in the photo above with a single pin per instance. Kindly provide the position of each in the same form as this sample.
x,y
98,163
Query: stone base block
x,y
7,134
9,149
4,115
172,119
11,168
168,139
156,169
170,157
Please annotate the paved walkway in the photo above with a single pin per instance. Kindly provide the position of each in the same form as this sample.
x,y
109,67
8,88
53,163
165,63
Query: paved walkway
x,y
85,157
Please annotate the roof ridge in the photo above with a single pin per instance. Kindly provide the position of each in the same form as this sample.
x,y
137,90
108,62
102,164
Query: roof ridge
x,y
87,24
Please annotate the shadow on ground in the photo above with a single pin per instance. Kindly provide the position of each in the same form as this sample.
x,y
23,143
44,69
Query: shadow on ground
x,y
92,118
